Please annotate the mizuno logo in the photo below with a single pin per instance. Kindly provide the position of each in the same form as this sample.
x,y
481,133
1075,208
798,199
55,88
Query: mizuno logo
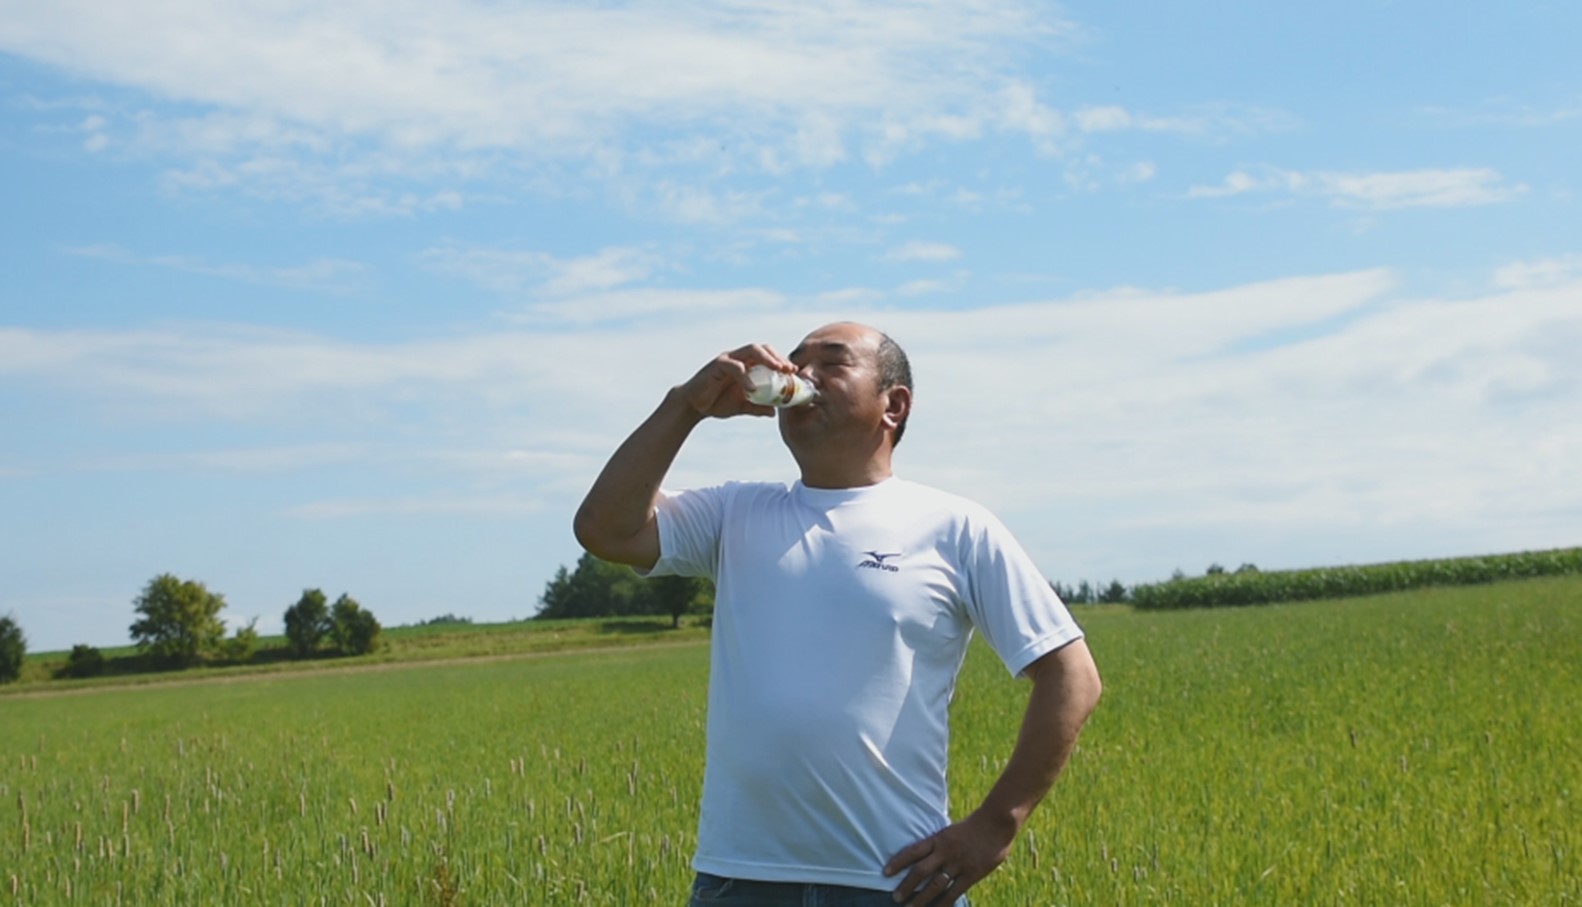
x,y
877,561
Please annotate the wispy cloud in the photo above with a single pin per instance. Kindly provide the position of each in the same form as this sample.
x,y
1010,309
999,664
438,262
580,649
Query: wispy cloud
x,y
923,251
647,304
263,459
438,505
1378,191
323,275
1539,273
520,270
1214,121
1509,112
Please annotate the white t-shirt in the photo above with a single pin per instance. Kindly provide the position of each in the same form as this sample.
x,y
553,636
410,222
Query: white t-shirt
x,y
841,619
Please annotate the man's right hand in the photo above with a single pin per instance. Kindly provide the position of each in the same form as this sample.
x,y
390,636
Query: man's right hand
x,y
719,389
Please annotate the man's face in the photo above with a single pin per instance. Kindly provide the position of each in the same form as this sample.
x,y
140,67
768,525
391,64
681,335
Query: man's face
x,y
842,362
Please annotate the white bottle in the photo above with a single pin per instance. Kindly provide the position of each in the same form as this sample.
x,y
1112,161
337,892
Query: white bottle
x,y
772,388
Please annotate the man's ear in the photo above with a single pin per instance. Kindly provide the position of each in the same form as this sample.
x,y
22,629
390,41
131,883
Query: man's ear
x,y
897,405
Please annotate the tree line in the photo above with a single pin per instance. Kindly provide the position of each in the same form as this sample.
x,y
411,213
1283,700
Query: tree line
x,y
178,626
599,588
1086,593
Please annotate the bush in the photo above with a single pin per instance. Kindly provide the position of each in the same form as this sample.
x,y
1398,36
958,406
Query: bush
x,y
84,661
243,643
13,648
443,620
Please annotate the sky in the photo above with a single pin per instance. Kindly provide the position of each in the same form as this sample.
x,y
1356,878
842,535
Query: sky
x,y
360,296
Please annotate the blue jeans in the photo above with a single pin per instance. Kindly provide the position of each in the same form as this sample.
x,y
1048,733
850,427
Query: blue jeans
x,y
716,891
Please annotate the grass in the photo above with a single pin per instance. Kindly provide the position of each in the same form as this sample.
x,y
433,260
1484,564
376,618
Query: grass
x,y
1416,748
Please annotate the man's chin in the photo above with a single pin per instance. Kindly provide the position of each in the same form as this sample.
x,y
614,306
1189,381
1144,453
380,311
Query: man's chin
x,y
799,424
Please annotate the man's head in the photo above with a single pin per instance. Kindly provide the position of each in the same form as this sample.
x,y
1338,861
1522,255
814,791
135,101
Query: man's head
x,y
865,396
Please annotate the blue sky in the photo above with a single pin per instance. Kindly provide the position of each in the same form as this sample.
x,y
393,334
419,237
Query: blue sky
x,y
360,296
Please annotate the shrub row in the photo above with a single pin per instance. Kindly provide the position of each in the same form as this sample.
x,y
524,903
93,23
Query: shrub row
x,y
1262,588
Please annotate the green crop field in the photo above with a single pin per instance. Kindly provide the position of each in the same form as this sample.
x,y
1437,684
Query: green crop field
x,y
1417,748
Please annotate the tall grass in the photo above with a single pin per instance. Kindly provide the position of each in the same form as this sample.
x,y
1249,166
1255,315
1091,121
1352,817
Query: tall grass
x,y
1418,748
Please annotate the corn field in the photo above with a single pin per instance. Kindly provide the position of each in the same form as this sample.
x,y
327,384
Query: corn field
x,y
1418,748
1260,588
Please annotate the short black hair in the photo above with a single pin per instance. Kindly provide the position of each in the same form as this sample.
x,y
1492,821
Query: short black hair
x,y
895,370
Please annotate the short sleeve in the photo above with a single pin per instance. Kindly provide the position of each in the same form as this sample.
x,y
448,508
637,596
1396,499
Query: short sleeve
x,y
689,532
1010,601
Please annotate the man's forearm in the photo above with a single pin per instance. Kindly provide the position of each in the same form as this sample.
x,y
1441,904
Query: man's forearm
x,y
619,508
1065,689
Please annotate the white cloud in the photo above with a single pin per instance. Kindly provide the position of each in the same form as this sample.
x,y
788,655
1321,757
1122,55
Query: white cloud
x,y
1379,191
1139,172
1334,403
312,94
1022,112
1206,121
649,303
851,296
263,459
323,275
1539,273
1418,189
512,271
827,201
1236,183
923,251
818,141
446,505
697,205
1509,112
922,288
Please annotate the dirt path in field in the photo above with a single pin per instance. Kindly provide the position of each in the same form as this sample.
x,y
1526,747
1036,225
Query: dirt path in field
x,y
252,676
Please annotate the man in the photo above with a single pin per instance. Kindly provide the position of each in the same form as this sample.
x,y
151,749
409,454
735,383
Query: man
x,y
844,606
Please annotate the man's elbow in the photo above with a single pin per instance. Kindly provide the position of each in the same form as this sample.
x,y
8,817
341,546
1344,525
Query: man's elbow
x,y
608,542
1072,672
585,530
593,534
1092,689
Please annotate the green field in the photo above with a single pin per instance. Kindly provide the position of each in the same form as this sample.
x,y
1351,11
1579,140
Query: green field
x,y
1418,748
397,645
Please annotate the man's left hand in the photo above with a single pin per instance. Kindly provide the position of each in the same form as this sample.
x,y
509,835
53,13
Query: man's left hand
x,y
945,864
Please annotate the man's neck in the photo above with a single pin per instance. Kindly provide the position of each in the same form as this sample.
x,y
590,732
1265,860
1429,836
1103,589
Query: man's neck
x,y
847,475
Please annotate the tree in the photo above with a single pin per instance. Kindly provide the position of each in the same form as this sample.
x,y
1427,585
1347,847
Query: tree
x,y
13,648
1214,570
597,588
307,622
1114,593
354,630
181,622
672,595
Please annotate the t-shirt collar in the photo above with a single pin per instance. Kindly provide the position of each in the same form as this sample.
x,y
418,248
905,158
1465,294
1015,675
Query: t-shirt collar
x,y
836,497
